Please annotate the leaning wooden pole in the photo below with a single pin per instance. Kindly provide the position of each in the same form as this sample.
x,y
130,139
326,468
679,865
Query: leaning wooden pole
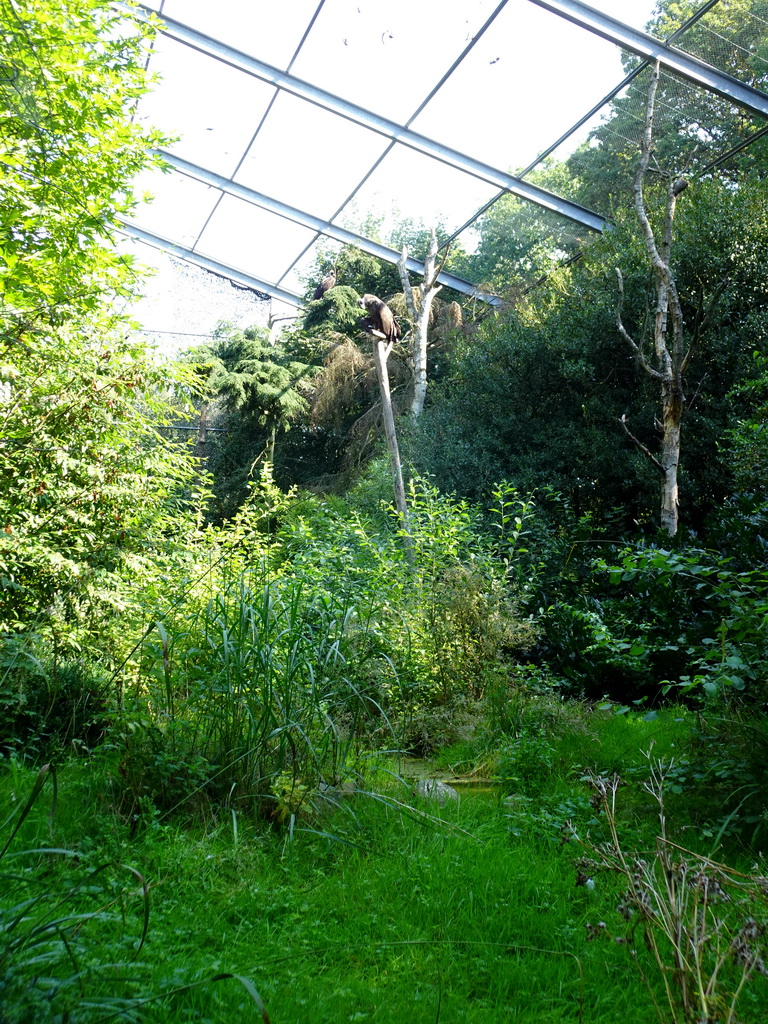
x,y
381,353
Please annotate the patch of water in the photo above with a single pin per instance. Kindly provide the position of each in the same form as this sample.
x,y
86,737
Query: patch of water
x,y
416,769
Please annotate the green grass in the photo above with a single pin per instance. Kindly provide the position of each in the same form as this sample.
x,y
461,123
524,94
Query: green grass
x,y
552,740
396,917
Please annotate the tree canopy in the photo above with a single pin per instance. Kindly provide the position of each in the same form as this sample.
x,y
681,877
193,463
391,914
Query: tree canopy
x,y
71,77
89,483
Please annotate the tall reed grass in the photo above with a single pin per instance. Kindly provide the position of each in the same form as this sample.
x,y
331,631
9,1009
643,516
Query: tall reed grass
x,y
263,679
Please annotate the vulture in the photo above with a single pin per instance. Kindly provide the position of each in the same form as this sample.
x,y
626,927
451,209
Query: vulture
x,y
380,317
325,285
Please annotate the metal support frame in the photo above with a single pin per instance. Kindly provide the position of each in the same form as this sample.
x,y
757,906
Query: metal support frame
x,y
679,63
324,227
381,125
696,16
646,46
239,277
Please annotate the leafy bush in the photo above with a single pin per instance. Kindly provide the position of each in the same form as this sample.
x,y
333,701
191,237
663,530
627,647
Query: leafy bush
x,y
310,636
46,710
654,621
91,494
524,761
466,618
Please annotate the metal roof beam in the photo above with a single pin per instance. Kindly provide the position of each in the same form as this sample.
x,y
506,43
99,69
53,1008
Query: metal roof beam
x,y
672,59
239,277
324,227
381,125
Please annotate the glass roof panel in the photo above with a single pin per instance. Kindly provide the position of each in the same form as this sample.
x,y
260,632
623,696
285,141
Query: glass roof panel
x,y
195,100
314,165
504,108
635,13
260,243
410,185
387,57
524,83
692,128
179,207
269,31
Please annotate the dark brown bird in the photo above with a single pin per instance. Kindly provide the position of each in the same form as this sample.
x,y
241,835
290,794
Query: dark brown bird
x,y
381,317
325,285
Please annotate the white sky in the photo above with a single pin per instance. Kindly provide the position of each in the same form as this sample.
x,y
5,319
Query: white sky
x,y
522,85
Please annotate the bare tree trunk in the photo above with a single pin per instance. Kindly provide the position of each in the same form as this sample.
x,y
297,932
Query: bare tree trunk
x,y
381,353
668,333
202,433
671,429
428,289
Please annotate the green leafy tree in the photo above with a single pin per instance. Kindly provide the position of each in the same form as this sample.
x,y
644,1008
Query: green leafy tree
x,y
337,311
346,403
519,243
89,489
265,391
91,492
71,75
747,442
536,395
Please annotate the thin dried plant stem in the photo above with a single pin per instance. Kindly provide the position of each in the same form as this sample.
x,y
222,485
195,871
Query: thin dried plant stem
x,y
688,908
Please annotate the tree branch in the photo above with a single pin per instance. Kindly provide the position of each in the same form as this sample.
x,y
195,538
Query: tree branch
x,y
702,323
428,289
666,288
628,338
646,451
438,272
402,269
382,337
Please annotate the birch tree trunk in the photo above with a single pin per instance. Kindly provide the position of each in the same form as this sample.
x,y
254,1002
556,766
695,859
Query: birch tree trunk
x,y
202,435
671,356
428,289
